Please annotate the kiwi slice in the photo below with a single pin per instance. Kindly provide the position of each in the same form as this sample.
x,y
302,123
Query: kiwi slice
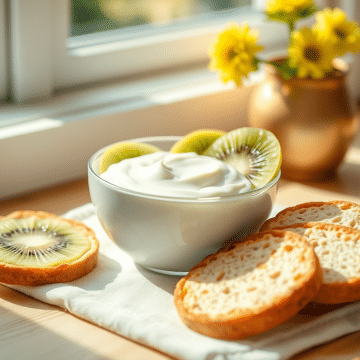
x,y
197,141
38,248
124,150
254,152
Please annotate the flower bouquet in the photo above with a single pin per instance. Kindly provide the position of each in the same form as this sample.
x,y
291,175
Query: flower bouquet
x,y
303,99
310,52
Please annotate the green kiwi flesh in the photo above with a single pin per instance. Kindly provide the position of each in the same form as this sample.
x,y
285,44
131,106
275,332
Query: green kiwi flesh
x,y
254,152
33,242
124,150
197,141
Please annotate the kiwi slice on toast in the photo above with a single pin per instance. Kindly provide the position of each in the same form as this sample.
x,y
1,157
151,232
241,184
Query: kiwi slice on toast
x,y
197,141
254,152
40,248
124,150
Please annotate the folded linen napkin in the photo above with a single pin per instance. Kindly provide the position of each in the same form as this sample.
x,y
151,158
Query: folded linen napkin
x,y
138,304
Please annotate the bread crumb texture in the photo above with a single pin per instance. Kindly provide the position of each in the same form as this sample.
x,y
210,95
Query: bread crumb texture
x,y
333,212
248,277
338,250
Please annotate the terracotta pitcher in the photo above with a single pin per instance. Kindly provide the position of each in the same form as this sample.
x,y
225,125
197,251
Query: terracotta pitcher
x,y
314,120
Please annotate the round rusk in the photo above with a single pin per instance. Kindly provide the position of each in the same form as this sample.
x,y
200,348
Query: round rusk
x,y
249,286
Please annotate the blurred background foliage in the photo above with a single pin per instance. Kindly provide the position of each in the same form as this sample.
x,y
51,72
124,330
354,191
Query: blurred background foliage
x,y
89,16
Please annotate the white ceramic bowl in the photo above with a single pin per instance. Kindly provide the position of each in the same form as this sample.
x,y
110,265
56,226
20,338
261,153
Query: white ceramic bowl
x,y
168,234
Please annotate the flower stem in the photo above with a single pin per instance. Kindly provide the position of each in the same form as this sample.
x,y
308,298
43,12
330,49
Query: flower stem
x,y
291,27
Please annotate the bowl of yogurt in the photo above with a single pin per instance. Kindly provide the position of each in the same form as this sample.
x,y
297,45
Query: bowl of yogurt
x,y
169,211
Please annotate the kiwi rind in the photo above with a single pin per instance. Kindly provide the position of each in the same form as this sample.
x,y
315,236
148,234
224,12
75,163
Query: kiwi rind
x,y
197,141
65,270
125,150
254,152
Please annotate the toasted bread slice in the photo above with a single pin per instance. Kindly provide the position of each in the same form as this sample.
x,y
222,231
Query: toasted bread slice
x,y
338,250
249,287
335,212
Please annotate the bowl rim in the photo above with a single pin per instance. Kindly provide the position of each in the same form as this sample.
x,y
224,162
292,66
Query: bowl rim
x,y
139,194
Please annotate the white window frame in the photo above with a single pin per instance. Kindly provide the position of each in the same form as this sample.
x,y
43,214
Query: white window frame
x,y
41,63
41,27
49,140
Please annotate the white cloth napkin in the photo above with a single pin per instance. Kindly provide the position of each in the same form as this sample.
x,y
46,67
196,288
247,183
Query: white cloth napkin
x,y
138,304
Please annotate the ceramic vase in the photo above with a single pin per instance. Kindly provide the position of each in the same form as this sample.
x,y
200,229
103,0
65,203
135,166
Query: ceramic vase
x,y
313,119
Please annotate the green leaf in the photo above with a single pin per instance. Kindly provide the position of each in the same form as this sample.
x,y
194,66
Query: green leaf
x,y
307,12
256,62
286,71
280,16
291,17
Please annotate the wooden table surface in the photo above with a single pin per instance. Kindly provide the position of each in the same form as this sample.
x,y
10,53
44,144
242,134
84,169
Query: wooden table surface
x,y
30,329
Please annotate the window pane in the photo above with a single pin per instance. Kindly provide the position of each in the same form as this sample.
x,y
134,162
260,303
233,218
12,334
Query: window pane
x,y
90,16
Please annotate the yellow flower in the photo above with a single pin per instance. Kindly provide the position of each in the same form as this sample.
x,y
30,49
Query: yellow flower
x,y
287,6
310,53
233,51
344,34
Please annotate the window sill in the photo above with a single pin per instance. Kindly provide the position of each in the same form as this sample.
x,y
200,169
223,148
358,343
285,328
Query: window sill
x,y
50,142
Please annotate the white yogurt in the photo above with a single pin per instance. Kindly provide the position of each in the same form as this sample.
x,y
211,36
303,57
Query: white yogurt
x,y
177,175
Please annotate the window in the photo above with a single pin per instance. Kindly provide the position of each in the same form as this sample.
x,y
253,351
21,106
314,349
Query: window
x,y
46,59
89,17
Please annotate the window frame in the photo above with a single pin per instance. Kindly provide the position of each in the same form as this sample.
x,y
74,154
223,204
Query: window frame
x,y
42,27
86,61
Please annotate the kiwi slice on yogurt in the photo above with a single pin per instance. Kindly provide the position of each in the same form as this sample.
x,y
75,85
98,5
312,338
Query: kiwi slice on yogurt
x,y
124,150
197,141
254,152
38,248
